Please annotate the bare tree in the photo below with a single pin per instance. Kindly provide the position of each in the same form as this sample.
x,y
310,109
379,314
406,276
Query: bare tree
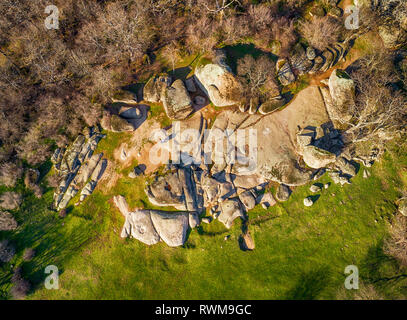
x,y
257,75
320,32
380,110
172,52
218,7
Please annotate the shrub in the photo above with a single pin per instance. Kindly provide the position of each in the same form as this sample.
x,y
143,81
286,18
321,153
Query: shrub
x,y
396,245
320,32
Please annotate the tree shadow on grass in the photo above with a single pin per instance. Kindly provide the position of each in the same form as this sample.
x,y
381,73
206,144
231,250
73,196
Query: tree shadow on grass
x,y
381,269
236,52
310,285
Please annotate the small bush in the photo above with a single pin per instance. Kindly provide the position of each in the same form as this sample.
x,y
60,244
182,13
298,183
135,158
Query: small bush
x,y
320,32
20,285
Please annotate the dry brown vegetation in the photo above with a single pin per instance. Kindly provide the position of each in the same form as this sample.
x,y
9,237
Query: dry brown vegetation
x,y
396,245
320,32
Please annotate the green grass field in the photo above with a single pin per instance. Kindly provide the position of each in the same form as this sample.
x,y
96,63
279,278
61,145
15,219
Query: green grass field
x,y
301,253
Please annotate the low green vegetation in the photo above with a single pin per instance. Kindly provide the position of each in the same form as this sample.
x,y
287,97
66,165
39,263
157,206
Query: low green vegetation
x,y
301,253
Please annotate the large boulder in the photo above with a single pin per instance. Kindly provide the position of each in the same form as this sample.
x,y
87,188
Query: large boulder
x,y
272,105
176,100
342,91
230,210
219,84
346,167
155,87
248,199
172,227
316,158
283,193
167,190
139,225
299,59
115,123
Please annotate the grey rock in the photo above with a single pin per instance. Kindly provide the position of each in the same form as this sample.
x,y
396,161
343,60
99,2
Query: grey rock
x,y
171,227
315,188
154,88
193,220
230,210
283,193
316,157
177,102
248,200
346,167
308,202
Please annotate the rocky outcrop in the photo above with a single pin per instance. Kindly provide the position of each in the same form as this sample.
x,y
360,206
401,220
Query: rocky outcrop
x,y
174,96
115,123
342,93
155,87
316,157
230,210
78,168
218,82
176,100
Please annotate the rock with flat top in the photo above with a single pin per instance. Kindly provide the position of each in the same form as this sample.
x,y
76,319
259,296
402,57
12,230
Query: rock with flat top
x,y
230,210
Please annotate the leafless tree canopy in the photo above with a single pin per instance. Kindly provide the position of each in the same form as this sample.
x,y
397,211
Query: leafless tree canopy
x,y
320,32
380,110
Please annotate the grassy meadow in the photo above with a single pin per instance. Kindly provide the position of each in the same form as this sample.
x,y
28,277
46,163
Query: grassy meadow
x,y
301,253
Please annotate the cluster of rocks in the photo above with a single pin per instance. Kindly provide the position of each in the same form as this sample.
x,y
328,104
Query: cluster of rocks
x,y
78,167
304,60
194,189
176,96
319,146
121,117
